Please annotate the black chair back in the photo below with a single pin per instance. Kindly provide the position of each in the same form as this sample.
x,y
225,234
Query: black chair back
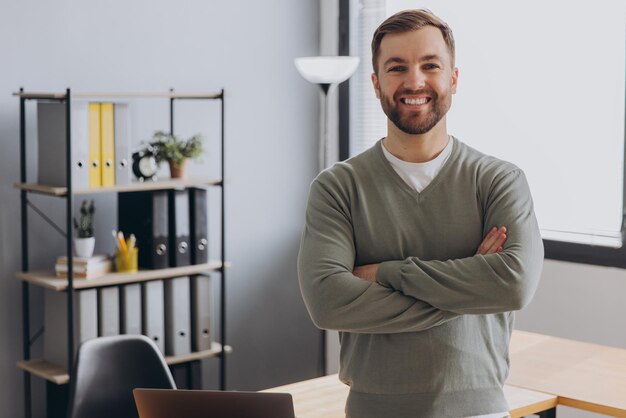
x,y
108,369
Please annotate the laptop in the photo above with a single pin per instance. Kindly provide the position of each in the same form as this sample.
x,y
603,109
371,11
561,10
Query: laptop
x,y
173,403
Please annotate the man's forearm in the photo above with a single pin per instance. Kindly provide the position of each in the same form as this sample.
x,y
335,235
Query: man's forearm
x,y
491,244
474,285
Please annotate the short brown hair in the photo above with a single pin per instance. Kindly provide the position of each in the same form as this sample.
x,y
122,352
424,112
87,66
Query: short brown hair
x,y
407,21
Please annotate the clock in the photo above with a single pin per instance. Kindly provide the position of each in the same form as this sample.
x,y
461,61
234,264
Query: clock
x,y
145,164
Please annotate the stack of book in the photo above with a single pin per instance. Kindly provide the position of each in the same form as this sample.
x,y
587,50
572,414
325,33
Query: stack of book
x,y
84,268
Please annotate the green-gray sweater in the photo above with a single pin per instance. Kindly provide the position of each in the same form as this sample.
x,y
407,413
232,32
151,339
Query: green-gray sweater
x,y
430,338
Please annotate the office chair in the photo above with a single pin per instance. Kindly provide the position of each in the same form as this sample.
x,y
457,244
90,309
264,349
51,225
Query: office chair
x,y
108,369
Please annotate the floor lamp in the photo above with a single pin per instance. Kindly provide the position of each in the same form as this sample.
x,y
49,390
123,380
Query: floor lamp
x,y
326,72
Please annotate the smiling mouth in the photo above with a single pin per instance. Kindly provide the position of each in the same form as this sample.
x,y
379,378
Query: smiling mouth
x,y
415,102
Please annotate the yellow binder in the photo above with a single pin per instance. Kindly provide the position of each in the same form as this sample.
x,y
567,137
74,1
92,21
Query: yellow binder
x,y
95,174
107,156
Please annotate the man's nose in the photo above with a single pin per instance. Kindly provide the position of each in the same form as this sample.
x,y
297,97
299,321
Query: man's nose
x,y
415,79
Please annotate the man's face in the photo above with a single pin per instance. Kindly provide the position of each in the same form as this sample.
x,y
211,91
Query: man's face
x,y
415,80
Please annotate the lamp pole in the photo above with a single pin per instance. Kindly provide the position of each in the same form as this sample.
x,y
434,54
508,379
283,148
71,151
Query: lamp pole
x,y
323,145
327,73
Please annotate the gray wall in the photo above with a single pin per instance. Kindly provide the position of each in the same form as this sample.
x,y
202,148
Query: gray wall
x,y
247,48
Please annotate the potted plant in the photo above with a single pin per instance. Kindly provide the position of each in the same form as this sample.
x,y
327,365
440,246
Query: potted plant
x,y
176,151
85,241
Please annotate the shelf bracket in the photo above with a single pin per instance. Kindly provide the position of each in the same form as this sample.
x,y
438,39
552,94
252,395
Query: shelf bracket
x,y
46,218
38,334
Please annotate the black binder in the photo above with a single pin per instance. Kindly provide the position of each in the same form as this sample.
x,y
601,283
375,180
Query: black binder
x,y
199,226
145,214
180,254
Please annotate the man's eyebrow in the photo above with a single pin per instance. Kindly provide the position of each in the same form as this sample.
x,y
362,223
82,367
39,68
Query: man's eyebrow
x,y
431,57
396,60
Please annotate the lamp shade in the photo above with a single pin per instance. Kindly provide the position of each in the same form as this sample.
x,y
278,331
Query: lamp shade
x,y
326,70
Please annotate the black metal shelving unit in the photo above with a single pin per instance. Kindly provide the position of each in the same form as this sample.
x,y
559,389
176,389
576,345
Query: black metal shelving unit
x,y
68,194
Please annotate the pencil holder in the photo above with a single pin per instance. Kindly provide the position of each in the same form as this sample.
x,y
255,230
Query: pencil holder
x,y
126,262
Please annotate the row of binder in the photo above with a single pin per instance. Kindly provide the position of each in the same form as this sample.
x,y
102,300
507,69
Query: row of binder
x,y
170,226
176,314
100,134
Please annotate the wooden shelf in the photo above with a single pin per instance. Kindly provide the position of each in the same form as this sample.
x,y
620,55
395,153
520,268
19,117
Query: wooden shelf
x,y
58,375
48,279
133,187
135,95
214,351
52,372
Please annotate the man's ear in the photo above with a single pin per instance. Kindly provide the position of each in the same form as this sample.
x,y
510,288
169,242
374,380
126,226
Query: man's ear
x,y
376,85
455,79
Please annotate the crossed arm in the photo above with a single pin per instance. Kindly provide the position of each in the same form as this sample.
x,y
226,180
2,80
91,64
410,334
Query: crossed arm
x,y
488,282
492,244
414,295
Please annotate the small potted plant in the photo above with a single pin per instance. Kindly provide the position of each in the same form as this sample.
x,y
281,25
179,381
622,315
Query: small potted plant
x,y
176,151
85,241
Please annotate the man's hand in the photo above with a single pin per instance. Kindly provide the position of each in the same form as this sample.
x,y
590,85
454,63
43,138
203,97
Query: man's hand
x,y
366,272
493,242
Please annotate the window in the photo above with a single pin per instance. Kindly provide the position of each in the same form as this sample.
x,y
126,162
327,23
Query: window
x,y
541,84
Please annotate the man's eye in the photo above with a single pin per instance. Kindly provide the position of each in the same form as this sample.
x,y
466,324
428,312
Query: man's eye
x,y
396,68
431,66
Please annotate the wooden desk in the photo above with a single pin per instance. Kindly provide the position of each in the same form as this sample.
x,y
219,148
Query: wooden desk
x,y
545,371
583,375
325,397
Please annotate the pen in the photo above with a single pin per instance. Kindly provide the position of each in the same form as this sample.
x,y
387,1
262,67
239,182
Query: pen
x,y
132,241
123,247
122,242
117,243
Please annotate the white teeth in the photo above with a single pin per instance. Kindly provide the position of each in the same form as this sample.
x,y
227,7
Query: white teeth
x,y
418,101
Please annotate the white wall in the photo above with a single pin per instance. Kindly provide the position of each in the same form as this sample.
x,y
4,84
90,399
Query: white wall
x,y
578,301
247,48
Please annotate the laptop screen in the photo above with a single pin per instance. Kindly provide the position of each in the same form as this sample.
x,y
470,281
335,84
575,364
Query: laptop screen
x,y
172,403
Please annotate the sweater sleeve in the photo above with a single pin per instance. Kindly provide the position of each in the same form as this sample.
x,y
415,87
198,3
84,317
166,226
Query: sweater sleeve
x,y
481,284
334,297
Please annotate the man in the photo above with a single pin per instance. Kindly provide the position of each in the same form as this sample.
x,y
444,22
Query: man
x,y
419,249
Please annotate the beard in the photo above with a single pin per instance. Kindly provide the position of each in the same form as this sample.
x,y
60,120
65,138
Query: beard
x,y
416,122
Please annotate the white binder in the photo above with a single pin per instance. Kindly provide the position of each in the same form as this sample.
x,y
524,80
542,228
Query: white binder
x,y
201,313
177,317
51,133
152,312
55,323
108,311
123,162
130,308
